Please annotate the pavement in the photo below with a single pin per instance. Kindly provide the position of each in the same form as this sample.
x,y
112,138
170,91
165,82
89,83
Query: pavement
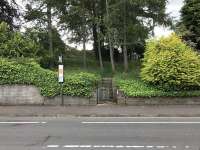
x,y
99,133
105,110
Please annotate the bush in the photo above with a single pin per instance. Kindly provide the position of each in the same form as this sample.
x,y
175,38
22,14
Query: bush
x,y
30,73
171,64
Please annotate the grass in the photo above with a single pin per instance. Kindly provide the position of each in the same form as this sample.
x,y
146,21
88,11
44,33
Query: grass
x,y
130,83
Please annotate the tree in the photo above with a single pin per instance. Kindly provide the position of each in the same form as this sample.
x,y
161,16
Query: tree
x,y
76,23
40,36
15,44
134,21
8,12
36,12
77,17
188,27
109,36
116,23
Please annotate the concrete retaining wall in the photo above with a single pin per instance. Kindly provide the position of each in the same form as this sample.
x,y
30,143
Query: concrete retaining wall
x,y
20,95
30,95
159,101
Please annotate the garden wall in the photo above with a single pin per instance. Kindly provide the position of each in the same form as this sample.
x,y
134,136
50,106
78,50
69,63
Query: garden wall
x,y
137,101
30,95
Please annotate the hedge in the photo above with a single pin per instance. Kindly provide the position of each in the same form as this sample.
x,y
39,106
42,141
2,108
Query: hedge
x,y
28,72
171,64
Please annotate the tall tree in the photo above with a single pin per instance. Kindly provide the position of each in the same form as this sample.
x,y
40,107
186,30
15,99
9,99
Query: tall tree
x,y
190,23
125,40
75,19
40,12
8,12
134,20
80,19
109,36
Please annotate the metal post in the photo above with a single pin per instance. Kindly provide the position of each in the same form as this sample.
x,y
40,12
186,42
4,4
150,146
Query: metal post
x,y
61,78
62,99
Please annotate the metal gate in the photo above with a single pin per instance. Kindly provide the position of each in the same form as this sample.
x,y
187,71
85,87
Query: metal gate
x,y
106,92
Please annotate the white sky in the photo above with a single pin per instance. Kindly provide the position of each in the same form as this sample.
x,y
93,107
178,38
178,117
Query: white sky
x,y
173,7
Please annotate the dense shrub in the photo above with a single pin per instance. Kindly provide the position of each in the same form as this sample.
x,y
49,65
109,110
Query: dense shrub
x,y
171,64
30,73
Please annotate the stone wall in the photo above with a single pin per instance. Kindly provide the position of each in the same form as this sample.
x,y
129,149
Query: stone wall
x,y
30,95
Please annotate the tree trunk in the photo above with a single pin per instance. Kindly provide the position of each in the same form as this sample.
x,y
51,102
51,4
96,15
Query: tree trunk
x,y
50,35
99,52
95,38
84,53
94,30
153,28
109,39
125,41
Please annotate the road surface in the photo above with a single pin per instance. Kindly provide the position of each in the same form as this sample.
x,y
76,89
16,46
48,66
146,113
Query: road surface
x,y
99,133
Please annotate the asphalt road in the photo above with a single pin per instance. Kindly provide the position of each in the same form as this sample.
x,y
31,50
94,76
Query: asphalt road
x,y
99,133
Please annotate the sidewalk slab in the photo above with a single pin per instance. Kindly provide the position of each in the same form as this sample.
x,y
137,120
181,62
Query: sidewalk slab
x,y
102,111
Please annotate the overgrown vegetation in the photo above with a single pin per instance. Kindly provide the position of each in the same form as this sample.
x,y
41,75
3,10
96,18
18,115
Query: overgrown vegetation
x,y
132,86
30,73
136,88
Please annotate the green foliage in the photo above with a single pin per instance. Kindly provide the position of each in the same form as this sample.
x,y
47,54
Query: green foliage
x,y
171,64
40,36
9,12
138,88
132,86
188,27
14,44
30,73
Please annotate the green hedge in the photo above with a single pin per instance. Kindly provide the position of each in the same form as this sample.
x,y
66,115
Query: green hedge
x,y
171,64
30,73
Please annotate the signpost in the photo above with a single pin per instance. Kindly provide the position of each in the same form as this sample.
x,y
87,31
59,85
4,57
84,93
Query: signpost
x,y
61,77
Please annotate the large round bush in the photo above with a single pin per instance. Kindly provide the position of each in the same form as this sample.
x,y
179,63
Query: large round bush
x,y
171,64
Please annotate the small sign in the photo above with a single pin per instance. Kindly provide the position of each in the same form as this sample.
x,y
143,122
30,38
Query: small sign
x,y
60,73
60,60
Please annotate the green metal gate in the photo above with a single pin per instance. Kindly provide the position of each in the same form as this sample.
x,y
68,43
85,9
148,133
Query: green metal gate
x,y
106,91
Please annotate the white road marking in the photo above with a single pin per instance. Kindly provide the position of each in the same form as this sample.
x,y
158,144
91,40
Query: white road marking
x,y
187,146
85,146
162,147
52,146
114,146
10,122
174,147
71,146
132,146
162,122
119,146
149,146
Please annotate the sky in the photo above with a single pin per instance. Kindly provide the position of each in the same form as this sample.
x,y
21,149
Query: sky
x,y
173,8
